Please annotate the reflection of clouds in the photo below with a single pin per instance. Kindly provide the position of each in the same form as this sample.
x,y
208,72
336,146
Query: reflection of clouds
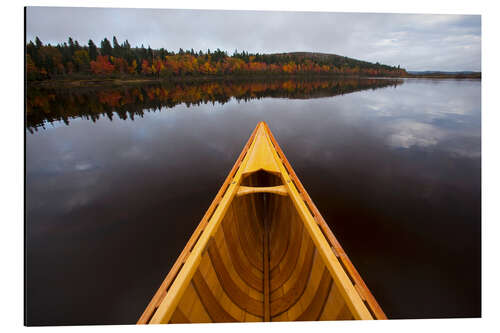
x,y
134,153
466,152
464,146
425,99
68,156
457,107
76,200
409,133
424,113
88,183
83,166
378,108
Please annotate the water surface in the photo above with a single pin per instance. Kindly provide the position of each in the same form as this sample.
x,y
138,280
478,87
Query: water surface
x,y
118,178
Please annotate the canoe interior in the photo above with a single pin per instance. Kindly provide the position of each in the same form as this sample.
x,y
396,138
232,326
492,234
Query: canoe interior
x,y
229,283
262,252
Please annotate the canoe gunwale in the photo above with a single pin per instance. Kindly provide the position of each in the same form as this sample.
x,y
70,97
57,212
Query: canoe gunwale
x,y
362,303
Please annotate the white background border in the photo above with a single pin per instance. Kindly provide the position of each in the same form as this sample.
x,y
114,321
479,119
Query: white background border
x,y
12,194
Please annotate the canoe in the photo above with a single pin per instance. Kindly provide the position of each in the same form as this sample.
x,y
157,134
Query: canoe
x,y
262,252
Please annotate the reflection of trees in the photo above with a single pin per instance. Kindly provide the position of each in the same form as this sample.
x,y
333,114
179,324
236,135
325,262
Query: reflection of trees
x,y
48,105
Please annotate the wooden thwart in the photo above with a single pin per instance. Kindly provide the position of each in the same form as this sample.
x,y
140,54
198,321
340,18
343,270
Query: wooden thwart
x,y
280,190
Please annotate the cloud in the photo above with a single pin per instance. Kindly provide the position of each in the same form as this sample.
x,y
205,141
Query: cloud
x,y
414,41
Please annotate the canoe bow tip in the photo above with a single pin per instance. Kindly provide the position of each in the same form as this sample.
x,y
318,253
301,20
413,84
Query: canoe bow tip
x,y
262,123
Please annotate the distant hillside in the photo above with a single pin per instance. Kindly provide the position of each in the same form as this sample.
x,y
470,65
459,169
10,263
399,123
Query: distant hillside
x,y
441,72
334,59
445,74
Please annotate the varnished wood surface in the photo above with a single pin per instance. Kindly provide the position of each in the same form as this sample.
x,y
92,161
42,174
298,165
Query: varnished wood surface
x,y
301,282
260,258
244,190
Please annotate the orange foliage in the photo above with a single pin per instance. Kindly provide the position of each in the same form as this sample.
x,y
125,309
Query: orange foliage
x,y
101,65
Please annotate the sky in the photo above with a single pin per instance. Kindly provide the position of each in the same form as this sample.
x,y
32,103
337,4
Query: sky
x,y
416,42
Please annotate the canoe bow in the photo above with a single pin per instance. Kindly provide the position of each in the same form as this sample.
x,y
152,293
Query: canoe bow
x,y
262,252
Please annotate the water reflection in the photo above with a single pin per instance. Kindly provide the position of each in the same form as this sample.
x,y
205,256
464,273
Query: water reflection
x,y
395,171
48,105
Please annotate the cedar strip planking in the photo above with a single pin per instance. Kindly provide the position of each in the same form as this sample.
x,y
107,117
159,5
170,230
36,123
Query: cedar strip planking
x,y
249,243
278,277
235,256
314,309
235,294
283,236
215,311
179,318
247,252
344,313
265,259
250,224
283,303
351,270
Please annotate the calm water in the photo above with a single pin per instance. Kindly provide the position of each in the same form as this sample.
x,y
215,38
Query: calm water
x,y
119,179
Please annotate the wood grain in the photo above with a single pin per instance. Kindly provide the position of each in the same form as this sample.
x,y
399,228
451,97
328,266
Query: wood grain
x,y
210,302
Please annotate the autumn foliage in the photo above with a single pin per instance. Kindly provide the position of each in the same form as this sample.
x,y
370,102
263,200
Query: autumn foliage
x,y
102,65
46,61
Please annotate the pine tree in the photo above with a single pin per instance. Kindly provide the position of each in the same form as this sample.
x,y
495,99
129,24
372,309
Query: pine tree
x,y
106,49
71,47
116,48
150,54
38,42
92,50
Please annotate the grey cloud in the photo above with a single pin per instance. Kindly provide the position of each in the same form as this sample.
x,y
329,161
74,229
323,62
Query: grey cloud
x,y
414,41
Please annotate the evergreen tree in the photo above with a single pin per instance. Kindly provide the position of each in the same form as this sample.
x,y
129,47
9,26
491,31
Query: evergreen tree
x,y
116,48
106,49
92,50
150,54
65,52
71,47
38,43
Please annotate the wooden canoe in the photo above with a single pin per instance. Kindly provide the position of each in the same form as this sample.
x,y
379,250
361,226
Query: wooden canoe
x,y
262,252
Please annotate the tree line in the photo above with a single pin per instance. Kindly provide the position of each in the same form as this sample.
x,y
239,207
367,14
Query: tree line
x,y
114,59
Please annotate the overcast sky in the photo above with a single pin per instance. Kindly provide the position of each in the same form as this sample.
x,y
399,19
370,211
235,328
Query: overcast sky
x,y
414,41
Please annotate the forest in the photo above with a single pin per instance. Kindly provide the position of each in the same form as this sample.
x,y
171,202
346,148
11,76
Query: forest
x,y
120,60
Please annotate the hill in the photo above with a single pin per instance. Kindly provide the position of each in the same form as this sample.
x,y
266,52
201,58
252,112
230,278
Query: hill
x,y
441,72
445,74
334,59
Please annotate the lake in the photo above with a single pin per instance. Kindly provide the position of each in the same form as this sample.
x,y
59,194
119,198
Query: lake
x,y
117,179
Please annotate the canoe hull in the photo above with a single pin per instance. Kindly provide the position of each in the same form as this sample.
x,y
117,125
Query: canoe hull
x,y
262,253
